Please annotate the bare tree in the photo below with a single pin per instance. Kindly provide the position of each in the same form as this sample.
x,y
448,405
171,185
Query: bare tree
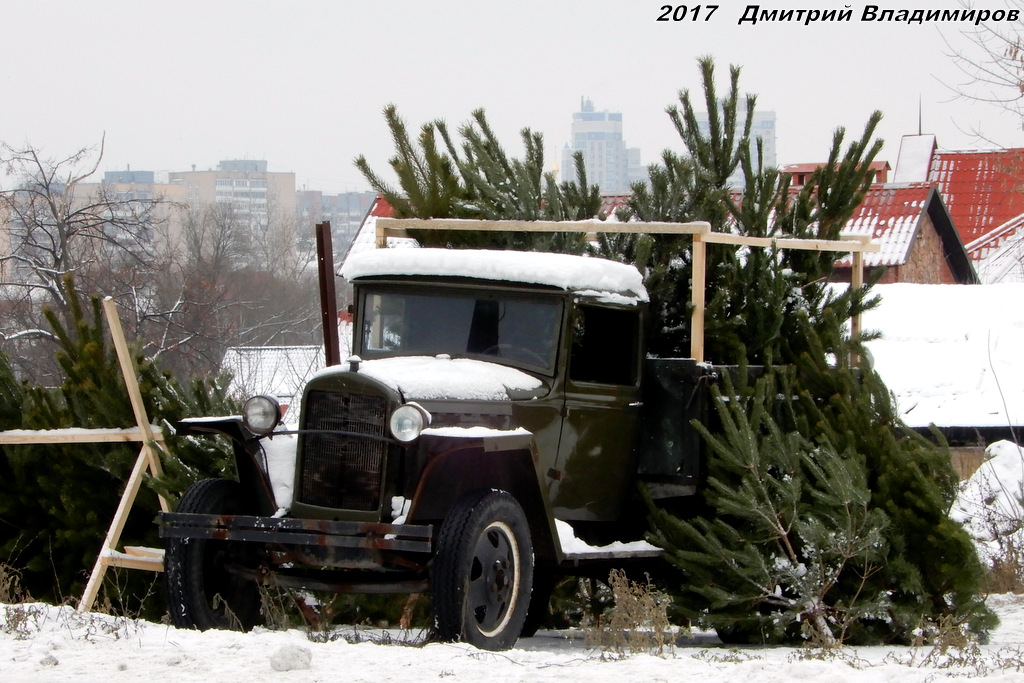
x,y
190,280
220,283
56,231
992,62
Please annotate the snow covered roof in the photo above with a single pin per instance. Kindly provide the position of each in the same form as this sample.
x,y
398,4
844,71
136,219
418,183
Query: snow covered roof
x,y
890,214
914,158
1000,254
366,236
980,188
573,273
279,371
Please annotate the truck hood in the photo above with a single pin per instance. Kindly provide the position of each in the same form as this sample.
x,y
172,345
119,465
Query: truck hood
x,y
427,378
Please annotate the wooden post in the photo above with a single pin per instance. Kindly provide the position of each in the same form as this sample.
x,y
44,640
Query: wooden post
x,y
856,282
699,269
328,293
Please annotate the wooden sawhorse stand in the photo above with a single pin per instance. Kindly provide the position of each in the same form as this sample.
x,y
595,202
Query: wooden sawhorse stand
x,y
152,439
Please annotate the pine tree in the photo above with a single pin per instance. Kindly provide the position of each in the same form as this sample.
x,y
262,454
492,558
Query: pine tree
x,y
793,541
57,501
752,293
478,179
933,572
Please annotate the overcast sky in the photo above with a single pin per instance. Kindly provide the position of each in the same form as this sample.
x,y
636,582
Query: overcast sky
x,y
302,83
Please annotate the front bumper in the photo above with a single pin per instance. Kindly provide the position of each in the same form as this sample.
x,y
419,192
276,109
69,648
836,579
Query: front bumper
x,y
289,531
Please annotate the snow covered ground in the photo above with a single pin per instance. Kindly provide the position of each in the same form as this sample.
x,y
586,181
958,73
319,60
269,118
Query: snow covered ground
x,y
43,643
952,353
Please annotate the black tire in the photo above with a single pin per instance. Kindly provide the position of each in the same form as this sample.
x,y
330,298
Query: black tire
x,y
201,593
482,575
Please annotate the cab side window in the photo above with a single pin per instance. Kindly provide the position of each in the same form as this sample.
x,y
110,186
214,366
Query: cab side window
x,y
604,345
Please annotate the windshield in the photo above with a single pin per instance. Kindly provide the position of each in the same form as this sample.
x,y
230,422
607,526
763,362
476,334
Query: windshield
x,y
515,331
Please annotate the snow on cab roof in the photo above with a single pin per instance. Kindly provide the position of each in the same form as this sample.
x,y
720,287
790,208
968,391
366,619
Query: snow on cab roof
x,y
583,274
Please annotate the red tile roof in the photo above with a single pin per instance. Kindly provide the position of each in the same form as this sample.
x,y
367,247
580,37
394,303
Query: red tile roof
x,y
381,208
982,189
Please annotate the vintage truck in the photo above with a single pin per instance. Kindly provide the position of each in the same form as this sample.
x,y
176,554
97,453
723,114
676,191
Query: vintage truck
x,y
491,431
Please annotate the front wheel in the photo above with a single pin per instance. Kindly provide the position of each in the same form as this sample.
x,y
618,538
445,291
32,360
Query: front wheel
x,y
482,574
202,591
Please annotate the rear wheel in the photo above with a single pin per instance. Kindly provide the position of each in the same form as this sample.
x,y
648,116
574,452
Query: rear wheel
x,y
202,592
482,574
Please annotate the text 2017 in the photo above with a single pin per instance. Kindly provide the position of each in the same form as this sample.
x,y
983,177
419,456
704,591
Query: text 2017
x,y
683,12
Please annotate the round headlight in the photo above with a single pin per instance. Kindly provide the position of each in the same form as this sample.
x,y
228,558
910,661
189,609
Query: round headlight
x,y
408,421
261,414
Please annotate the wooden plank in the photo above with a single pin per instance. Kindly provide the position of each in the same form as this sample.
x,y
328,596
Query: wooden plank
x,y
92,588
398,227
73,435
136,557
128,370
131,381
151,564
851,245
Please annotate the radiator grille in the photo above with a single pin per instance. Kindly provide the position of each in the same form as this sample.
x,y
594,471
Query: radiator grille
x,y
343,470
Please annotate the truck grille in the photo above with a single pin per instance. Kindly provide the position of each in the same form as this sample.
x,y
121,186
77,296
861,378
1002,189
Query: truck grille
x,y
343,470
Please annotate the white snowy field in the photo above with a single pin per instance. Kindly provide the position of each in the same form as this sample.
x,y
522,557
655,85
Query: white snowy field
x,y
951,353
45,643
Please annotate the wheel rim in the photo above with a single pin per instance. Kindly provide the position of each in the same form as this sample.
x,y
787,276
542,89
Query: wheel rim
x,y
493,579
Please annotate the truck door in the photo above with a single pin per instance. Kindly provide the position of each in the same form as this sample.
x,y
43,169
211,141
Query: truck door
x,y
597,450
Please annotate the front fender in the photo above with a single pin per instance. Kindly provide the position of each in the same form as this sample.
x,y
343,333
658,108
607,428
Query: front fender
x,y
250,463
457,460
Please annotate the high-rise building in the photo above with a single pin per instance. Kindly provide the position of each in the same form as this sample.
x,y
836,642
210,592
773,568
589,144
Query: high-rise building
x,y
246,185
763,127
609,164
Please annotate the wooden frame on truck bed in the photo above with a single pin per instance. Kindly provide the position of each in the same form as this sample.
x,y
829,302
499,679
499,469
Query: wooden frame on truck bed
x,y
856,245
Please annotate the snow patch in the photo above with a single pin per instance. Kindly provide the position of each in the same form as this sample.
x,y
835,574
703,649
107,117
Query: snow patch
x,y
989,503
280,453
565,271
431,378
573,546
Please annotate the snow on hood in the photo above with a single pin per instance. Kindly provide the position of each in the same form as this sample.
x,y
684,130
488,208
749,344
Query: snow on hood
x,y
572,273
426,378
